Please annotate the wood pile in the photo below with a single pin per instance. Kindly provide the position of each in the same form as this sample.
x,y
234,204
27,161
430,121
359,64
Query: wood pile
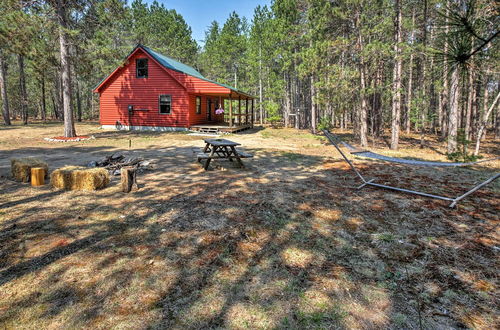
x,y
115,162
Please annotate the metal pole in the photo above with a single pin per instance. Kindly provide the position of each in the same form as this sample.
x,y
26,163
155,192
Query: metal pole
x,y
479,186
330,138
409,191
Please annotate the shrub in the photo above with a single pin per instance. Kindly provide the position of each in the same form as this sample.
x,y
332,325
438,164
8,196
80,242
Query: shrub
x,y
273,113
325,123
462,154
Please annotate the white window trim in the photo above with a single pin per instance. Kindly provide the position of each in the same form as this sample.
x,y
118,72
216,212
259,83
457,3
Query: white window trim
x,y
198,97
159,104
137,68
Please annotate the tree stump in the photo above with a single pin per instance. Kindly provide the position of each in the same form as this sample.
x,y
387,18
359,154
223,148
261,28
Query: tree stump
x,y
37,176
129,179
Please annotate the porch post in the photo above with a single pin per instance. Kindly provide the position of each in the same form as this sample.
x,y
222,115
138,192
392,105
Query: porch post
x,y
220,106
239,110
246,111
252,114
230,111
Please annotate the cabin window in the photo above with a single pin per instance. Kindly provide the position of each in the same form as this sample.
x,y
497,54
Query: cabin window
x,y
141,65
198,105
165,104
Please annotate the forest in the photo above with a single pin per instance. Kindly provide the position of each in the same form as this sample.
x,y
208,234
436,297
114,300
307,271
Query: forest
x,y
373,66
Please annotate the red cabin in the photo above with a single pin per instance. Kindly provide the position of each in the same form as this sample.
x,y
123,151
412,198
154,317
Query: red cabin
x,y
151,91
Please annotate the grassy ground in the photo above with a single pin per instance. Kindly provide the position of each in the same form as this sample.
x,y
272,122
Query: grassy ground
x,y
284,243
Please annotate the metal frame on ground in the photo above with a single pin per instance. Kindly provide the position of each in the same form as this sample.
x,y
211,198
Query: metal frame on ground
x,y
454,201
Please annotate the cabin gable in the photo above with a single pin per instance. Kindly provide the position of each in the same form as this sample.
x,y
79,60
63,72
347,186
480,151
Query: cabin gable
x,y
123,89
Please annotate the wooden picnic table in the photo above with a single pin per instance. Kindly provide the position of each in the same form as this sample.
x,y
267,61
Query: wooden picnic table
x,y
221,149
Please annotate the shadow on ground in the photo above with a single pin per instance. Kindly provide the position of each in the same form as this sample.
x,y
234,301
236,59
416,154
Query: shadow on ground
x,y
284,243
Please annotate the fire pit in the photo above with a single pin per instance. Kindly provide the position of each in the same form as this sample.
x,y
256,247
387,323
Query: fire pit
x,y
115,162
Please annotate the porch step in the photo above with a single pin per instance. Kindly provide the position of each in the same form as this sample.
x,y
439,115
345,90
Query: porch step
x,y
208,130
219,129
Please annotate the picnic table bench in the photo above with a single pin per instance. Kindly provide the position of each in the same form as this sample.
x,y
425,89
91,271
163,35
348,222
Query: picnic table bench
x,y
221,149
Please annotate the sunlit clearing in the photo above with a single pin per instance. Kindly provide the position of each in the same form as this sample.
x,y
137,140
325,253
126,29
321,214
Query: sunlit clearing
x,y
295,257
246,316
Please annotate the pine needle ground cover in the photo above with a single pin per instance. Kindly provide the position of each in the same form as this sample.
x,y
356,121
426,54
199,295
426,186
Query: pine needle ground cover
x,y
285,243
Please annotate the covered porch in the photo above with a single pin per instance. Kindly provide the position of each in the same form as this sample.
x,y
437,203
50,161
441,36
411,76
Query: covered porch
x,y
238,113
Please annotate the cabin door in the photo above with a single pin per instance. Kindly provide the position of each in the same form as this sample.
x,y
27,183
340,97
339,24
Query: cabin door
x,y
209,109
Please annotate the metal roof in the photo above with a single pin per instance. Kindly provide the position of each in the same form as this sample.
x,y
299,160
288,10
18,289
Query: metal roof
x,y
170,63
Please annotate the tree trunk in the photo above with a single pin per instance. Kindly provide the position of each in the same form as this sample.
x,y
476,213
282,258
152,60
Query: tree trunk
x,y
3,89
396,80
445,93
57,97
377,111
453,111
287,99
409,95
497,124
69,124
22,89
432,95
54,106
444,101
44,105
235,77
295,99
423,107
260,87
475,118
484,123
362,124
470,94
78,102
313,105
486,97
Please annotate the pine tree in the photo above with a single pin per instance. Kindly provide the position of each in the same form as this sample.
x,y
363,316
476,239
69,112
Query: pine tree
x,y
61,7
396,98
3,90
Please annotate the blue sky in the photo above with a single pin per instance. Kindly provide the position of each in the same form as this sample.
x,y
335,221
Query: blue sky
x,y
199,14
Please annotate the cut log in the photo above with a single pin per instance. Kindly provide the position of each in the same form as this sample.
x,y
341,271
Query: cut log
x,y
129,179
37,176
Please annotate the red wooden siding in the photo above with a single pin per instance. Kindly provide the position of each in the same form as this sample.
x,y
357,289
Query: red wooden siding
x,y
195,118
123,89
197,85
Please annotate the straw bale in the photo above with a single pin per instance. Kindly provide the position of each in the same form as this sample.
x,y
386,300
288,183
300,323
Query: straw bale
x,y
21,168
79,178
